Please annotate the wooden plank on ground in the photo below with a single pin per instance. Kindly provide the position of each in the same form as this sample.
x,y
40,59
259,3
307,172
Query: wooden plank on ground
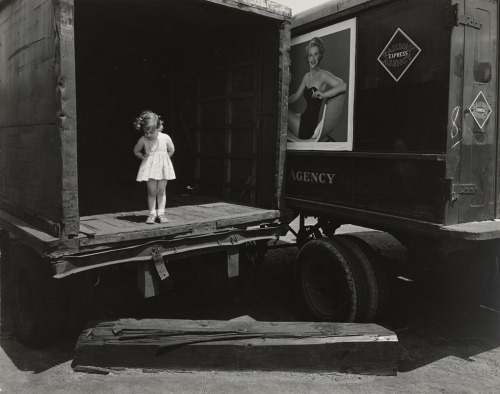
x,y
238,345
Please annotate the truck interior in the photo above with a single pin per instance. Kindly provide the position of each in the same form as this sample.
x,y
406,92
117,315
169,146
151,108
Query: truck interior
x,y
210,72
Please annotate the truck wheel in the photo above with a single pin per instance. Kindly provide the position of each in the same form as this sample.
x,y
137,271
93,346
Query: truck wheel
x,y
307,233
253,253
6,284
78,302
374,277
325,282
493,291
37,299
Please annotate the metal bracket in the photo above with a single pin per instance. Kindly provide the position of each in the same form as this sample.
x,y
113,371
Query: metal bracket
x,y
453,191
147,281
464,188
159,263
452,17
233,262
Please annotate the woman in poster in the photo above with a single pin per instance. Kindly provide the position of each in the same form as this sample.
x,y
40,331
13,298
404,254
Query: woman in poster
x,y
314,86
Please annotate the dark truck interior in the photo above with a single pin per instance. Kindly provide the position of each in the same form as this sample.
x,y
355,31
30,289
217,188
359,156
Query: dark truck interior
x,y
210,71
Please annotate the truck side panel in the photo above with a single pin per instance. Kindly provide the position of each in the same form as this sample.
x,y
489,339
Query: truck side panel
x,y
31,134
398,160
407,115
475,194
497,166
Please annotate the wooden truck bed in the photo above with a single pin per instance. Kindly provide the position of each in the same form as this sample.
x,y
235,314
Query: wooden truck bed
x,y
197,225
190,215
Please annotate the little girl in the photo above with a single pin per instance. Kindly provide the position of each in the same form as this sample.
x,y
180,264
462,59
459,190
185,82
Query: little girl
x,y
154,148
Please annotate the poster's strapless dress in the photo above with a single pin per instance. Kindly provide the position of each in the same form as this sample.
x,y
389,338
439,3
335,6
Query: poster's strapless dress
x,y
157,164
309,118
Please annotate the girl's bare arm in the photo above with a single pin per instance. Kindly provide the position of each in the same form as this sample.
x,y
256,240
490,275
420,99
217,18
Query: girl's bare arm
x,y
138,148
170,146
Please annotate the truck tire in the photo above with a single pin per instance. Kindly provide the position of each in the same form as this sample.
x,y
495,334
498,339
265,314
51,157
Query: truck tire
x,y
375,278
6,285
78,302
493,291
325,281
306,234
37,299
253,253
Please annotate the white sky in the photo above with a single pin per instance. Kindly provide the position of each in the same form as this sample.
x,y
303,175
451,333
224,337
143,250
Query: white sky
x,y
300,5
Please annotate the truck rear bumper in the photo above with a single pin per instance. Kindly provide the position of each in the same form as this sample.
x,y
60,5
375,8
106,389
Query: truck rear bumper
x,y
474,231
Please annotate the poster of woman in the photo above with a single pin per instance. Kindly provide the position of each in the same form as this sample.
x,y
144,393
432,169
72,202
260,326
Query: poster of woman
x,y
322,88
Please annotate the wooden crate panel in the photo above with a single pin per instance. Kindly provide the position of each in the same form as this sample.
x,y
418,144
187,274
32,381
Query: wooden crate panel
x,y
213,84
212,170
242,172
213,113
242,140
243,80
242,49
212,141
242,110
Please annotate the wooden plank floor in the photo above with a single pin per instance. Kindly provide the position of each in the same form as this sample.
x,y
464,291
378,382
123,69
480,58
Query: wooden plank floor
x,y
186,214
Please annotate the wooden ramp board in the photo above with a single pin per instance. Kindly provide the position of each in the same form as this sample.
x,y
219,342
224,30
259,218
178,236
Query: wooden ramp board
x,y
238,345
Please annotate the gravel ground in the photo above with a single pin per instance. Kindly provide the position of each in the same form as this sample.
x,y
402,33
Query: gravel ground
x,y
448,344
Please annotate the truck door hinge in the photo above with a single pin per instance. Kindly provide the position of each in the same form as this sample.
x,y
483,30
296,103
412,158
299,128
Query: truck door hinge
x,y
453,191
159,263
459,188
452,17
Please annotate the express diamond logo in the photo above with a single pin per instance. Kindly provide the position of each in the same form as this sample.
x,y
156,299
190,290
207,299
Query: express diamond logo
x,y
480,109
398,54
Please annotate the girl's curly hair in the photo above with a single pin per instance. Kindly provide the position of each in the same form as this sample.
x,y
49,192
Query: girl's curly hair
x,y
148,119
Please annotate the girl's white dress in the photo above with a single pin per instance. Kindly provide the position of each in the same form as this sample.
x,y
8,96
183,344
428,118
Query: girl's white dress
x,y
157,164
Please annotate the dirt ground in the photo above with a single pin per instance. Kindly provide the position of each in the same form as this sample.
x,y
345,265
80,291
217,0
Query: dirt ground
x,y
449,341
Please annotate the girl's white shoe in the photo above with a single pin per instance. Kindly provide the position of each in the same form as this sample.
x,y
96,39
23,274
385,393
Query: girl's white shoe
x,y
163,219
151,219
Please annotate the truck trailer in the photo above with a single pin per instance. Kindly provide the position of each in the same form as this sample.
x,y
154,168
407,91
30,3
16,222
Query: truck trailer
x,y
74,74
415,151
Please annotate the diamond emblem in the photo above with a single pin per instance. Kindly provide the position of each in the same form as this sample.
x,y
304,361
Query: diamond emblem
x,y
398,54
480,109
